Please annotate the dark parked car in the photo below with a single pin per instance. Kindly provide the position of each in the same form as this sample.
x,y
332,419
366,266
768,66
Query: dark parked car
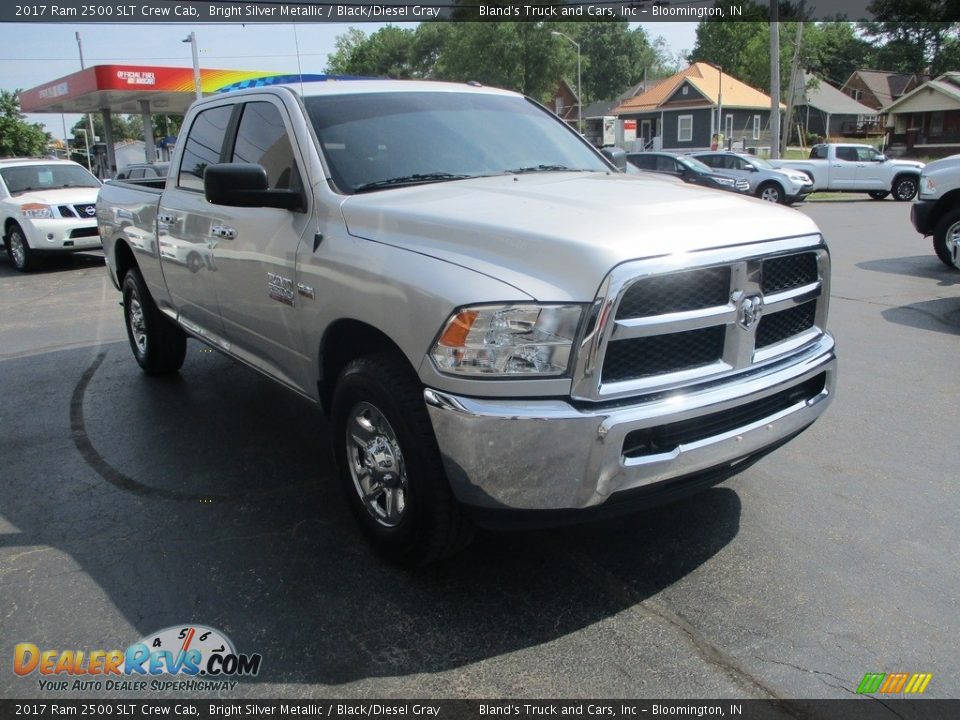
x,y
687,169
142,172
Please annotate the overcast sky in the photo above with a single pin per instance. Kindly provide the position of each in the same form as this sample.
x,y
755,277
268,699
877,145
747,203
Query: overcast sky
x,y
33,54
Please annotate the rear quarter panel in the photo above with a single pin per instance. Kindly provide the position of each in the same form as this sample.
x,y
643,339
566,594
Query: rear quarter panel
x,y
127,214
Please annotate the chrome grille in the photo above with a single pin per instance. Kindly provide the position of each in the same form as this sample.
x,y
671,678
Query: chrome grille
x,y
646,356
676,292
86,210
657,326
789,271
785,324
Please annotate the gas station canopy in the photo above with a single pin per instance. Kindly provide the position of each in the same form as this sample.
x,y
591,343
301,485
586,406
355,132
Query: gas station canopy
x,y
122,89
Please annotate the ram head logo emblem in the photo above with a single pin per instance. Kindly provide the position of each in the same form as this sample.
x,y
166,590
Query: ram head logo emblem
x,y
749,310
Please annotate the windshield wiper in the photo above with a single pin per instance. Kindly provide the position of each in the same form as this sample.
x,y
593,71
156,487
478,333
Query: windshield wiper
x,y
415,179
544,168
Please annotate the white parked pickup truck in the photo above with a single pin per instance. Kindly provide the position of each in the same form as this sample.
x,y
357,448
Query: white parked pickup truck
x,y
937,210
47,207
500,324
841,167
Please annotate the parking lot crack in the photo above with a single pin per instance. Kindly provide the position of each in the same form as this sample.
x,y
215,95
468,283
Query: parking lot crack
x,y
811,671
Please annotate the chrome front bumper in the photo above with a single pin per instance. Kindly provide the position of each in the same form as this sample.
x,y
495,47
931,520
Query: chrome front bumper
x,y
550,455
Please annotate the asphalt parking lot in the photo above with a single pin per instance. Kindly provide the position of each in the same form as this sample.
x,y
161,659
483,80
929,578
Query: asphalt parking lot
x,y
130,504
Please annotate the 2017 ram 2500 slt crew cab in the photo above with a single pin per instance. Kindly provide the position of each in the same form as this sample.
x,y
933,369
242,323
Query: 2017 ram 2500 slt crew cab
x,y
493,316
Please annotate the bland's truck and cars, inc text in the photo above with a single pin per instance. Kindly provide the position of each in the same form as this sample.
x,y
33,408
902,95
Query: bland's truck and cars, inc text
x,y
500,324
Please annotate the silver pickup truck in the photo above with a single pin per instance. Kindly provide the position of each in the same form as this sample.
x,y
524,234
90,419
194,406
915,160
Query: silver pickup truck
x,y
501,326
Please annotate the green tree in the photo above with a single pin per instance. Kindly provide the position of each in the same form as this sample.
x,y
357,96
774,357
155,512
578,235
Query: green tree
x,y
389,52
125,127
916,36
18,138
837,50
613,57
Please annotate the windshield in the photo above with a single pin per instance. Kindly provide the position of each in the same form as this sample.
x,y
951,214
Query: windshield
x,y
25,178
695,164
376,140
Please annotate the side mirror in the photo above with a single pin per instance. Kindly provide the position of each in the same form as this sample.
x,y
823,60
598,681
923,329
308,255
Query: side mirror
x,y
246,185
616,156
749,168
881,158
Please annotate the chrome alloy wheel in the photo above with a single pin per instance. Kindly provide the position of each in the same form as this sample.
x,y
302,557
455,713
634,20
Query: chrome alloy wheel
x,y
138,326
770,194
952,242
17,251
376,464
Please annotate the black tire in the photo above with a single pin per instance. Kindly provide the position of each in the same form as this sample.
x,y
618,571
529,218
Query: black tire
x,y
430,524
771,192
158,345
947,228
23,258
905,188
878,194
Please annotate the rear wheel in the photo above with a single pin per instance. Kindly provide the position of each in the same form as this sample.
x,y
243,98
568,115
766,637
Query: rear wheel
x,y
390,466
771,192
946,239
878,194
158,345
904,188
23,258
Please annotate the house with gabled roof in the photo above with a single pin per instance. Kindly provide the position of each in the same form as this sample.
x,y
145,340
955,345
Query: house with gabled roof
x,y
821,109
926,120
680,113
878,88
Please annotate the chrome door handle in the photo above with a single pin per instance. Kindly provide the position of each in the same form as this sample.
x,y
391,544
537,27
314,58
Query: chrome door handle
x,y
222,231
167,219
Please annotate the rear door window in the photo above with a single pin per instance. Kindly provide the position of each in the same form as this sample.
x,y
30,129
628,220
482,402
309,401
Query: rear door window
x,y
203,146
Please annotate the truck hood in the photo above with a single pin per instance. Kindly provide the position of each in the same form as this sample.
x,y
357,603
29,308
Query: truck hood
x,y
60,196
555,236
912,164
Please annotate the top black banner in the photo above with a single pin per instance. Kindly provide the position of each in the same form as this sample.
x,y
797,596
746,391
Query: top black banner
x,y
249,11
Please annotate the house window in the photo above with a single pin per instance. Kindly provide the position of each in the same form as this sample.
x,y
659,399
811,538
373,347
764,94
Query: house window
x,y
857,94
558,105
899,124
728,126
936,123
684,128
756,127
683,90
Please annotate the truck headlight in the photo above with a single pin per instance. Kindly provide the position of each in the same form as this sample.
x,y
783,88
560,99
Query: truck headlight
x,y
36,211
507,340
927,185
724,181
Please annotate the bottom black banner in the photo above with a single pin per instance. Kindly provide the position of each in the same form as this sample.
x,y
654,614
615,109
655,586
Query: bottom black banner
x,y
863,708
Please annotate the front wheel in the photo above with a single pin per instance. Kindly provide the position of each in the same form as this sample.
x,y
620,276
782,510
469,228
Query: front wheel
x,y
390,466
158,345
878,194
771,192
24,259
946,239
905,188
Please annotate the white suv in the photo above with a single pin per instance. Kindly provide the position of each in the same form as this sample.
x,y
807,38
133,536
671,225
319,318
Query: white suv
x,y
47,207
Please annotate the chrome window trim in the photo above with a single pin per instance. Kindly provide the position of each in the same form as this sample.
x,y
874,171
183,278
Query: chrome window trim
x,y
739,354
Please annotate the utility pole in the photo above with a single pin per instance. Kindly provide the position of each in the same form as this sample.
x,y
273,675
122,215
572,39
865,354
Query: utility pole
x,y
792,91
90,137
192,39
774,79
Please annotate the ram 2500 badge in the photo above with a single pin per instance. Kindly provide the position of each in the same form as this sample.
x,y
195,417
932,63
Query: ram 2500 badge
x,y
498,322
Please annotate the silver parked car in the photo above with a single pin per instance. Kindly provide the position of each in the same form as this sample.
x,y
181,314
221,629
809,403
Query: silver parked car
x,y
766,182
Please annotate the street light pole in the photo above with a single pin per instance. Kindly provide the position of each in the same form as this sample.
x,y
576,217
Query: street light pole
x,y
192,39
579,87
89,132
